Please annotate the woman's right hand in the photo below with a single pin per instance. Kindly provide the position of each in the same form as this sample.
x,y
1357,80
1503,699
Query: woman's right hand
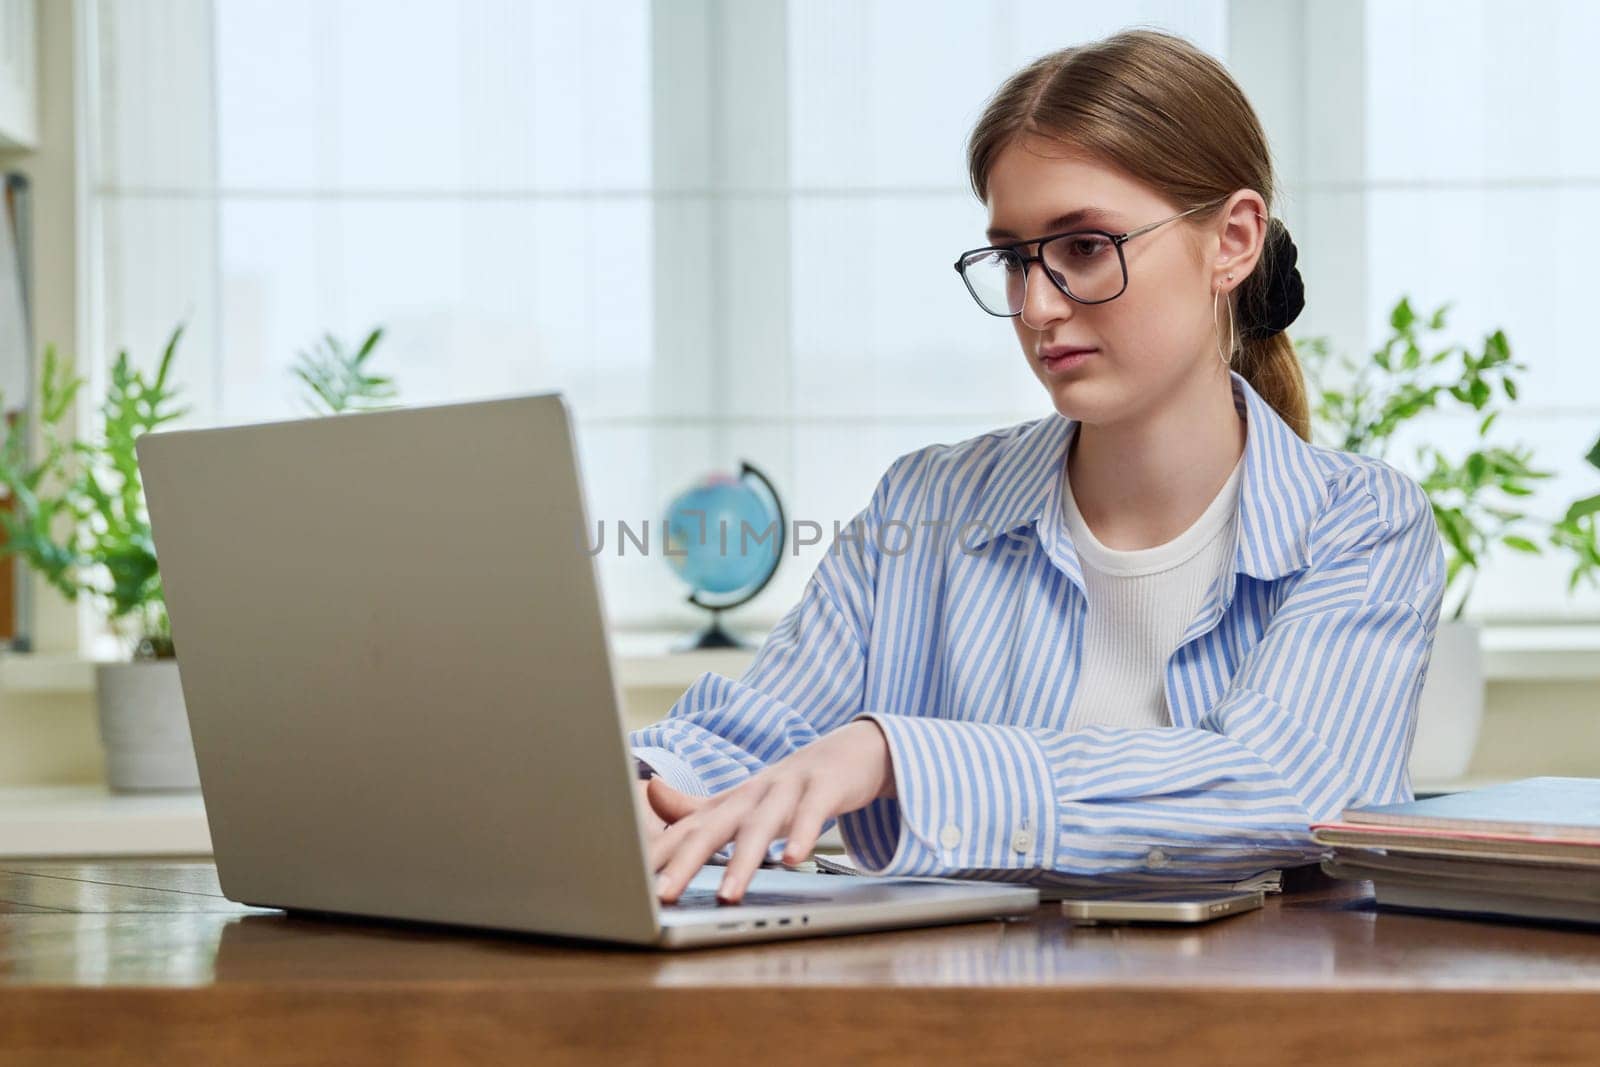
x,y
653,825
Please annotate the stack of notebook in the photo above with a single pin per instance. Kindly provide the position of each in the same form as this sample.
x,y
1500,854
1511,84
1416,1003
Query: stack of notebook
x,y
1527,849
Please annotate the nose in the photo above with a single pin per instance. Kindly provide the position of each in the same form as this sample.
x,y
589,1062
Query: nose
x,y
1042,302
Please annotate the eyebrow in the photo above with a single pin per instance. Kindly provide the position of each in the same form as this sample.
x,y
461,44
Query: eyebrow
x,y
1060,222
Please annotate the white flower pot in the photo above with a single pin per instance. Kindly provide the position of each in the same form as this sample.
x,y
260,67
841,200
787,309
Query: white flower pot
x,y
144,727
1450,712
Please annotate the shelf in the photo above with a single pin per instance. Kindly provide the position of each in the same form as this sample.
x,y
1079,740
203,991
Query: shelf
x,y
90,820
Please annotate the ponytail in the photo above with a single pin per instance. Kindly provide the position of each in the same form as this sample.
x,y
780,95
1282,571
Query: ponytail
x,y
1272,367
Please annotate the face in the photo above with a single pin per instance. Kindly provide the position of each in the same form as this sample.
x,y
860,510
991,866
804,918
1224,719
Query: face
x,y
1156,341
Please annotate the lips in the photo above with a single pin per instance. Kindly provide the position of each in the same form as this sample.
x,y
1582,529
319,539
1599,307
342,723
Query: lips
x,y
1062,357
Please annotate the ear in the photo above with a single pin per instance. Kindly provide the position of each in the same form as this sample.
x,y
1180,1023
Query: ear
x,y
1241,235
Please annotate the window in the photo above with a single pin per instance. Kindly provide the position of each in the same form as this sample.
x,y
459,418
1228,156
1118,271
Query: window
x,y
724,229
1479,188
690,216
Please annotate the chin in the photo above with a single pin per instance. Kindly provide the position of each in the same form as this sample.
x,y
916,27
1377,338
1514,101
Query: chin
x,y
1086,401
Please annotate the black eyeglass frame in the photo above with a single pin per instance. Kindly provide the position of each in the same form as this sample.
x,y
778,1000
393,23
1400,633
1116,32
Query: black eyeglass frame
x,y
1117,241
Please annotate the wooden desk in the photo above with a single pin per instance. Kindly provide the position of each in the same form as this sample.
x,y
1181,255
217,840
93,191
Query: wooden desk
x,y
145,962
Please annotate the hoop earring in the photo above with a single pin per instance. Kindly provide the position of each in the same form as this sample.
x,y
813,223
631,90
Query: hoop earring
x,y
1233,340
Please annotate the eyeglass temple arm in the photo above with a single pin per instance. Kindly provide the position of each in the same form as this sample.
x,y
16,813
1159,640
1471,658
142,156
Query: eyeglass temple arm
x,y
1162,222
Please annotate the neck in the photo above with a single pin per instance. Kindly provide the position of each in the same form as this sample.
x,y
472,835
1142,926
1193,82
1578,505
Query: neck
x,y
1143,481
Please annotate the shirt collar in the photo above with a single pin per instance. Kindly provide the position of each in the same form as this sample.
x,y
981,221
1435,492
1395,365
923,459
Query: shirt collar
x,y
1281,490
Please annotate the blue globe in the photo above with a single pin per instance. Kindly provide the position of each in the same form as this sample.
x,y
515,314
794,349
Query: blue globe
x,y
723,536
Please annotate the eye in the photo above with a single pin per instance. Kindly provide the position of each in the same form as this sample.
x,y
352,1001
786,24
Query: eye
x,y
1086,246
1001,260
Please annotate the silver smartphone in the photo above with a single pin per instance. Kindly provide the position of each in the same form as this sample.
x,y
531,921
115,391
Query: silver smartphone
x,y
1163,906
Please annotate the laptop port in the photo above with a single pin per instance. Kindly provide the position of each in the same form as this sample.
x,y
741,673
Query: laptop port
x,y
760,923
784,922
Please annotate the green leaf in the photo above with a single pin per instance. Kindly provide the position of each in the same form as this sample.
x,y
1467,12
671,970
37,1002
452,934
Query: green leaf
x,y
1594,454
1496,348
1402,316
369,344
1521,544
1579,508
1457,533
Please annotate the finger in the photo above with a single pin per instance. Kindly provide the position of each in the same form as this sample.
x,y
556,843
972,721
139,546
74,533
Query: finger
x,y
805,827
750,847
670,803
669,840
685,860
690,850
677,829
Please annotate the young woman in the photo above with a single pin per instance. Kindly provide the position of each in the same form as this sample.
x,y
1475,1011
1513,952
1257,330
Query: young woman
x,y
1154,634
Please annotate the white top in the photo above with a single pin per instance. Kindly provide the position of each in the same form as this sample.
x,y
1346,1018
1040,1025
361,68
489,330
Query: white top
x,y
1140,603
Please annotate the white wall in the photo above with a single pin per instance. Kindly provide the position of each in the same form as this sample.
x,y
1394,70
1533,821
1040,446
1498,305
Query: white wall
x,y
19,110
51,168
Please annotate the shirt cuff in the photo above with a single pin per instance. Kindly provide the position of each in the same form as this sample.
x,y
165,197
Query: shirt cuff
x,y
969,796
674,768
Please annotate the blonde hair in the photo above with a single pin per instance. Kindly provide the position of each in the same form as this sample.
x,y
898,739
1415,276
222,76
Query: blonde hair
x,y
1164,111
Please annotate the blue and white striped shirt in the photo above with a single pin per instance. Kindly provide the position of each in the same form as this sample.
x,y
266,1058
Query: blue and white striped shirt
x,y
951,611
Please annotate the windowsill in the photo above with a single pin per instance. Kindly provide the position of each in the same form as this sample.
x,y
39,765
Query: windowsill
x,y
90,820
1553,653
646,660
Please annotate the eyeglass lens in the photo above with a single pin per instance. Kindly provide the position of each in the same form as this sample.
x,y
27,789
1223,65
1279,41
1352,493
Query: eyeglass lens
x,y
1085,264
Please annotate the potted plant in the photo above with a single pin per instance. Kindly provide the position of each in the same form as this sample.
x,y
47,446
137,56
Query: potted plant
x,y
80,521
336,378
1575,531
1358,406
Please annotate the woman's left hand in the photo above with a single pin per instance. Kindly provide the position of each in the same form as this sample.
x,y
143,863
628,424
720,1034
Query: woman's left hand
x,y
841,771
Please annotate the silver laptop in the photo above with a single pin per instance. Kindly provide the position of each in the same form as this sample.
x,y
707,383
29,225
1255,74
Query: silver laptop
x,y
400,687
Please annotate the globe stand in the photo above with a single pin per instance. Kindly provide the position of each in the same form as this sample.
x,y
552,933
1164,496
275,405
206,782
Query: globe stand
x,y
714,636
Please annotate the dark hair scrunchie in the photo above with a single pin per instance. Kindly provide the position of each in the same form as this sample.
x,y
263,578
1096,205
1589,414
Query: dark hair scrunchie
x,y
1279,302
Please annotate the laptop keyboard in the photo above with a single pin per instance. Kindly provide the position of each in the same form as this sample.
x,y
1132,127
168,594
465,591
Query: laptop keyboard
x,y
707,898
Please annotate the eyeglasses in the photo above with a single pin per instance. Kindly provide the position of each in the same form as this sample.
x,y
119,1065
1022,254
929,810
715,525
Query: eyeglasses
x,y
1085,265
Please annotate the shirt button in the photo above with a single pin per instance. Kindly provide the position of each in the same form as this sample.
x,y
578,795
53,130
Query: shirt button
x,y
1156,858
1021,841
950,836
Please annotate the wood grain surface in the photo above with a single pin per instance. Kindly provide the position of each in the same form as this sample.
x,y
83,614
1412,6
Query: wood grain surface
x,y
146,962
